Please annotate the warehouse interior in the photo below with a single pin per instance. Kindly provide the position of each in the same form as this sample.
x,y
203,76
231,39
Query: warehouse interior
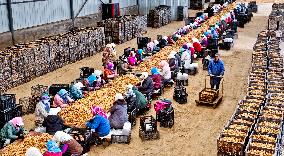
x,y
50,45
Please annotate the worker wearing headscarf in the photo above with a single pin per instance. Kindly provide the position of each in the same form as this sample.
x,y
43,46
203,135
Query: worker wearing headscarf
x,y
118,112
107,54
174,37
150,46
132,60
156,47
99,123
170,40
62,99
130,98
191,48
73,147
214,33
129,91
92,78
140,55
147,85
109,72
166,71
163,42
181,50
99,82
42,109
113,50
33,151
124,67
141,100
186,58
53,149
173,62
177,56
12,130
157,78
76,91
204,41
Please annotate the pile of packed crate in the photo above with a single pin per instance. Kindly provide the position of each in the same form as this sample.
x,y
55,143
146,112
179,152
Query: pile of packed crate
x,y
160,16
25,61
266,137
276,19
256,126
121,29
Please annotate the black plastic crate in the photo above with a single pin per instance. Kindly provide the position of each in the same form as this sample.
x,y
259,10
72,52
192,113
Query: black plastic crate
x,y
7,101
180,94
83,137
127,51
18,111
148,124
6,115
121,139
153,135
85,72
182,82
166,117
55,88
143,40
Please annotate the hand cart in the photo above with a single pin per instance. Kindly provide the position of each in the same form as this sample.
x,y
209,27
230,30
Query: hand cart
x,y
218,95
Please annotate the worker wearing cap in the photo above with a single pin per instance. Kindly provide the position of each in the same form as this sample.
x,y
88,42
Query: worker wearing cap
x,y
216,71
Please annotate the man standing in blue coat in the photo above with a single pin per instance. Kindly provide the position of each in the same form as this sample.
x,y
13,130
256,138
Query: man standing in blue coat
x,y
216,71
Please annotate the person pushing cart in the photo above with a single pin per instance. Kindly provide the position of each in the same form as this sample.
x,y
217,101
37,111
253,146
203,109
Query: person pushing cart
x,y
216,71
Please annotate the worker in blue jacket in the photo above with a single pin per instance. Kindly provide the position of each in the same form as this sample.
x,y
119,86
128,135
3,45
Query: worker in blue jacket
x,y
216,71
99,124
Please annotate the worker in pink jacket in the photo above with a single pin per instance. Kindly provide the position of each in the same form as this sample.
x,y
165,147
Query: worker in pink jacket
x,y
62,99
